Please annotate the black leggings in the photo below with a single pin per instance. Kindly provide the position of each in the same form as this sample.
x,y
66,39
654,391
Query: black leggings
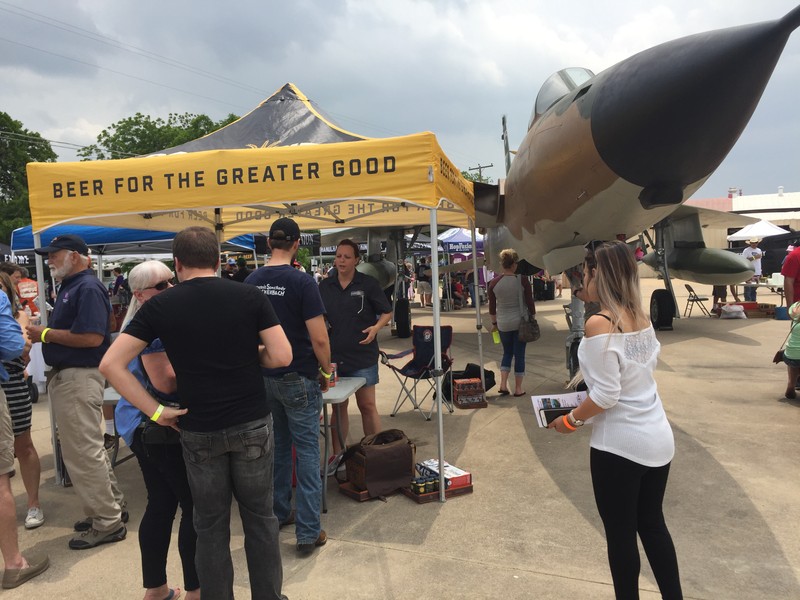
x,y
164,475
629,498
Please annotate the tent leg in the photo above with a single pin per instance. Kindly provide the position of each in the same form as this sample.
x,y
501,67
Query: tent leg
x,y
476,299
437,347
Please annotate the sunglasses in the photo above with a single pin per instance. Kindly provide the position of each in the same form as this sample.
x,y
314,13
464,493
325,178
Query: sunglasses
x,y
161,285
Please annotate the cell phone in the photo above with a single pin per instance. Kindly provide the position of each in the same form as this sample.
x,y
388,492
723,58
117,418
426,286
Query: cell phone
x,y
551,414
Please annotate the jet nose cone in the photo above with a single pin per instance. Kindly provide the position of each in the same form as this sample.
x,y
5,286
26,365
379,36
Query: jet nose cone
x,y
667,117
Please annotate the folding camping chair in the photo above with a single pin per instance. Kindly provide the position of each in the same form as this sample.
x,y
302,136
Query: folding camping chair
x,y
421,369
695,299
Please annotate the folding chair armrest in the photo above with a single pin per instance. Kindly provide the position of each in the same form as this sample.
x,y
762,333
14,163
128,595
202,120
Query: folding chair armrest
x,y
385,358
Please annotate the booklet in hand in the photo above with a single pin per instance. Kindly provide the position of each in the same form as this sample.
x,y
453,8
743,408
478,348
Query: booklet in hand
x,y
550,407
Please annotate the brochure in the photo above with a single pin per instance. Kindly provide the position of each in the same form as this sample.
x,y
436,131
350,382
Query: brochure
x,y
549,407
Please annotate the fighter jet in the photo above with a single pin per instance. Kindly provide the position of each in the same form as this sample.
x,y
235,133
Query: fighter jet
x,y
611,155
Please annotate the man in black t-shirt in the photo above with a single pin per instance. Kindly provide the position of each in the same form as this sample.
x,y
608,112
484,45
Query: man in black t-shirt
x,y
226,427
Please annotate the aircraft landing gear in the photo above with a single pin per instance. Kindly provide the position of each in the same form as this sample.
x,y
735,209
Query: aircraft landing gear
x,y
662,309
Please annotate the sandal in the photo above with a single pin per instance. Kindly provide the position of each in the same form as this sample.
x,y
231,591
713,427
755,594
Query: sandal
x,y
503,392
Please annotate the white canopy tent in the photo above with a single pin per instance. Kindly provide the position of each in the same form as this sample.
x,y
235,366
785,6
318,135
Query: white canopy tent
x,y
759,230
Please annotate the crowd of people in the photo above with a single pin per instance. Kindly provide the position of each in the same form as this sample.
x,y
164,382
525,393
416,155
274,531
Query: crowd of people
x,y
209,422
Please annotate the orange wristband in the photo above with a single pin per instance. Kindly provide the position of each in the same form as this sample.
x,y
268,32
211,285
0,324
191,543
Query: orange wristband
x,y
567,424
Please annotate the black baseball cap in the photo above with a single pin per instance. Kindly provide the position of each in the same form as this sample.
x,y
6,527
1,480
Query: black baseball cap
x,y
65,242
284,229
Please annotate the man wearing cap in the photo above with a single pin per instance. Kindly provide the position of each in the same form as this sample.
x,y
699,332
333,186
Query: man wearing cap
x,y
294,393
73,344
241,270
754,255
230,269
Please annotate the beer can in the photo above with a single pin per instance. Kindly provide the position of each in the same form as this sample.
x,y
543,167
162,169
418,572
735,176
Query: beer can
x,y
334,375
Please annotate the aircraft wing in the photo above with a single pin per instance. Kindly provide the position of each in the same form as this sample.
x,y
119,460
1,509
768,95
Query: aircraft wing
x,y
714,219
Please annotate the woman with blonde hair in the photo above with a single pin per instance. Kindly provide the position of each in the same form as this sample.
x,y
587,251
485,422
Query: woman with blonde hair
x,y
21,408
159,453
632,443
510,298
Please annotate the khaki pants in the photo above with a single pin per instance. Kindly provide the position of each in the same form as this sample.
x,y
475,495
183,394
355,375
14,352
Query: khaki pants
x,y
77,398
6,437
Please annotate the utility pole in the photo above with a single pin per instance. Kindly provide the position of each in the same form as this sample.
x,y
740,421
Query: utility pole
x,y
480,169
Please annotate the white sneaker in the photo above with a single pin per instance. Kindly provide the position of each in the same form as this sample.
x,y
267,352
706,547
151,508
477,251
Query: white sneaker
x,y
334,464
35,518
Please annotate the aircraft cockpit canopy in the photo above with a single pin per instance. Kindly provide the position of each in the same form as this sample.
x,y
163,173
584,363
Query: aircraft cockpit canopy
x,y
556,87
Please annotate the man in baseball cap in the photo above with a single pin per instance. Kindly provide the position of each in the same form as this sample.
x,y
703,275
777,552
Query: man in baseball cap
x,y
73,344
65,242
284,229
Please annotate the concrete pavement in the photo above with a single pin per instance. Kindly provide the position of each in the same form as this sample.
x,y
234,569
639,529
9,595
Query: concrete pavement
x,y
530,529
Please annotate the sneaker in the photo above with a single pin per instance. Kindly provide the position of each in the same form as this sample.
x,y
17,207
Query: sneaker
x,y
35,518
86,524
334,464
306,549
16,577
93,538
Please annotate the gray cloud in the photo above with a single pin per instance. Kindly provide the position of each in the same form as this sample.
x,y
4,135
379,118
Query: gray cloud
x,y
378,67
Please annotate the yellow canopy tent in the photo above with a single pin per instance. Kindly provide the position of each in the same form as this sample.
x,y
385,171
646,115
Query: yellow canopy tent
x,y
374,182
402,181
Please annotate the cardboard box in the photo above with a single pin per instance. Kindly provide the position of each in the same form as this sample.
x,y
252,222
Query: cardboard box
x,y
748,305
457,477
433,496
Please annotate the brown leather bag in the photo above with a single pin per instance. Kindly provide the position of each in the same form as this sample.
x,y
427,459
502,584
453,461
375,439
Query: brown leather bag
x,y
381,463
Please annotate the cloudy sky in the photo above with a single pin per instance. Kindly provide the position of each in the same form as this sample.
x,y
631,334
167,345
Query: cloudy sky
x,y
70,68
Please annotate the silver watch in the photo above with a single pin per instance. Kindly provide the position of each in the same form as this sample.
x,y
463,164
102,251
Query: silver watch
x,y
573,421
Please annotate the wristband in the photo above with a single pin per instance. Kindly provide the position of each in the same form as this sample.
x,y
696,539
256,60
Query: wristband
x,y
324,374
157,414
44,333
567,424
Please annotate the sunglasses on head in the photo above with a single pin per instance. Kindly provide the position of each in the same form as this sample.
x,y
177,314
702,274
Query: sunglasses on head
x,y
161,285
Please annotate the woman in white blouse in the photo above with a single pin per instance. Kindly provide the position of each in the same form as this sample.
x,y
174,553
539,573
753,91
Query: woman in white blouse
x,y
632,443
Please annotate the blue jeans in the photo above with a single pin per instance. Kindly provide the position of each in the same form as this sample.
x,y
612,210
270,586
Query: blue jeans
x,y
750,293
512,347
234,462
295,407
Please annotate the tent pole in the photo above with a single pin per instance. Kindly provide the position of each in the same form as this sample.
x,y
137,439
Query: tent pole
x,y
40,283
476,300
437,346
218,230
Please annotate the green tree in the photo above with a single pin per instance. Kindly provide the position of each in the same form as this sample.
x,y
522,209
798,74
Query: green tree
x,y
141,134
18,147
475,177
304,258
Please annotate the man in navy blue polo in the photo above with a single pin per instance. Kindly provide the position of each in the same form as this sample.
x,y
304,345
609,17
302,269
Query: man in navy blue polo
x,y
73,344
294,393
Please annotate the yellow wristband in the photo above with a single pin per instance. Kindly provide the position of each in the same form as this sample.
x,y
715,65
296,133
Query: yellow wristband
x,y
324,374
157,414
44,333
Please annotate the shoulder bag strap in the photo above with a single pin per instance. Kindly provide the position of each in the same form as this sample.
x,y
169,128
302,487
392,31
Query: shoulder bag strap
x,y
787,336
523,309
